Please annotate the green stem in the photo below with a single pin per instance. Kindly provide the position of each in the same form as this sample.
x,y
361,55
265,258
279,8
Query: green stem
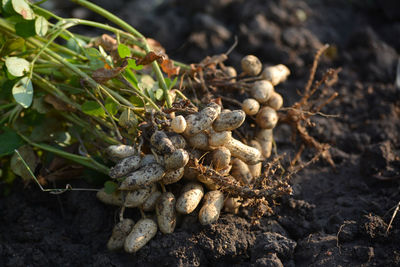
x,y
111,17
85,161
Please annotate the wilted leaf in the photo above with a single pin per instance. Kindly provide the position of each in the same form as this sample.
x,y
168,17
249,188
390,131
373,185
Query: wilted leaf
x,y
103,75
29,157
123,51
22,8
17,66
9,140
111,106
149,58
155,46
169,68
93,108
25,29
23,92
110,187
107,42
41,26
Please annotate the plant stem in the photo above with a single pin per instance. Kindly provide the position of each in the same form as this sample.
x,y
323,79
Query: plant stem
x,y
111,17
85,161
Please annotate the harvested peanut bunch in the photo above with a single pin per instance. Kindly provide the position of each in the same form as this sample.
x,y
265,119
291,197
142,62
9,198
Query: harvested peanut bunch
x,y
199,152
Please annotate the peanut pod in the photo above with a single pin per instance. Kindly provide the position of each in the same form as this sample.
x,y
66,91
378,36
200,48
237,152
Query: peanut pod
x,y
248,154
229,121
119,233
146,175
166,215
190,198
125,166
213,203
143,231
196,123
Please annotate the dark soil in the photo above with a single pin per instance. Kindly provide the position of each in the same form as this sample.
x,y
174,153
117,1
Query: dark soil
x,y
333,218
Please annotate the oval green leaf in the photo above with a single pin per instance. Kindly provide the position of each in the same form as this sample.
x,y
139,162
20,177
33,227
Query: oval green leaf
x,y
93,108
25,28
111,106
123,51
23,92
22,8
41,26
17,66
159,94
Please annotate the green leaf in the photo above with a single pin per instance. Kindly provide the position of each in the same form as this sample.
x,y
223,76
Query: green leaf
x,y
94,57
7,7
111,106
110,187
170,83
159,94
93,108
12,45
75,44
132,65
25,29
124,51
9,140
136,101
17,66
22,8
41,26
23,92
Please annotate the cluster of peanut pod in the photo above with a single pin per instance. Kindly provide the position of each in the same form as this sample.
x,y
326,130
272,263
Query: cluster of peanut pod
x,y
204,137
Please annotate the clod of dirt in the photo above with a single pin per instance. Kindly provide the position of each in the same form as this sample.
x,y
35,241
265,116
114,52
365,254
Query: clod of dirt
x,y
270,260
376,158
317,249
272,243
227,240
374,226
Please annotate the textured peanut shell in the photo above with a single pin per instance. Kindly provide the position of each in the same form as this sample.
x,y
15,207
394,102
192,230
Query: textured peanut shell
x,y
143,231
248,154
166,215
190,197
119,233
146,175
125,166
213,203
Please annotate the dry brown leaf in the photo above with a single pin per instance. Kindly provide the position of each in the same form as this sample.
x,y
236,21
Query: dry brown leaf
x,y
103,75
149,58
169,68
107,42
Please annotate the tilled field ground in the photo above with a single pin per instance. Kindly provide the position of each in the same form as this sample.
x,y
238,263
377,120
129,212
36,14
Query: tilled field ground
x,y
333,218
